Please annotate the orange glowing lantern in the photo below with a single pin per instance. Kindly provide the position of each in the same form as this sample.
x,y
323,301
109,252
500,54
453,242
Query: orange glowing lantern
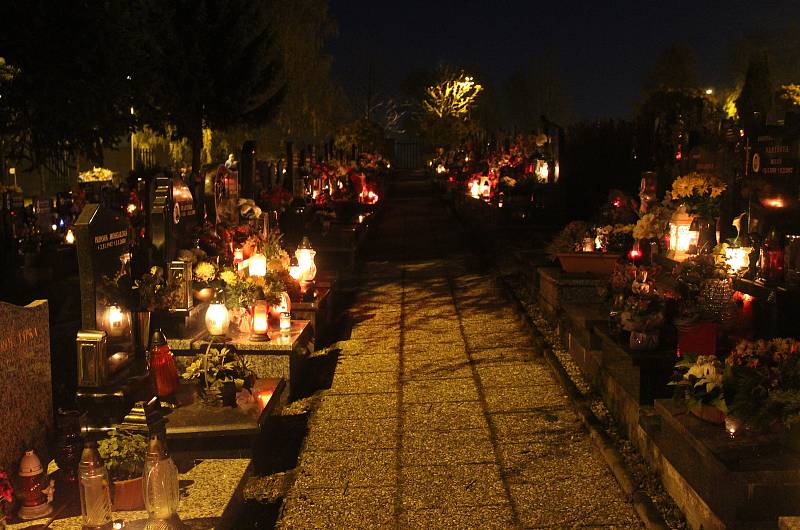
x,y
260,321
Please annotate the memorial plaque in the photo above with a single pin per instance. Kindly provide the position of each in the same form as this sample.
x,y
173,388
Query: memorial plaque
x,y
26,417
774,155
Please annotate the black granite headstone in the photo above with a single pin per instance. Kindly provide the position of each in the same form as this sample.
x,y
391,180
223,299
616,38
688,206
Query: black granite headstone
x,y
184,216
162,217
247,170
102,239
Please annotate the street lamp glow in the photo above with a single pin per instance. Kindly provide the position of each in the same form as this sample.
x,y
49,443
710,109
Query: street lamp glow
x,y
709,91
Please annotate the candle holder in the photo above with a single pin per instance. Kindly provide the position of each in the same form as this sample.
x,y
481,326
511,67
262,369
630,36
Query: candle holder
x,y
217,317
286,323
260,321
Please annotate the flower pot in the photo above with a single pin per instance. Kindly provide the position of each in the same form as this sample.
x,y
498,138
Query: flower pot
x,y
643,340
128,494
588,262
708,413
203,295
699,338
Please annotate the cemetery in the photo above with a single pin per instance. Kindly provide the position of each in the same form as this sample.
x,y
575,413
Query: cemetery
x,y
304,265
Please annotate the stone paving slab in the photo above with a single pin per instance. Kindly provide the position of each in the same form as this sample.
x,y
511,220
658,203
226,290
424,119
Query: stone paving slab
x,y
487,517
442,413
464,446
449,486
345,469
353,434
362,508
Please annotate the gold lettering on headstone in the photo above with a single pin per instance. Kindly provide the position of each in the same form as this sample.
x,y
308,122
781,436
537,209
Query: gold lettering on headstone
x,y
20,336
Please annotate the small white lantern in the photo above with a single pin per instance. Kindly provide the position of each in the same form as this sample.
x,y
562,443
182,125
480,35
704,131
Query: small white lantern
x,y
217,318
682,239
258,265
286,323
305,260
70,237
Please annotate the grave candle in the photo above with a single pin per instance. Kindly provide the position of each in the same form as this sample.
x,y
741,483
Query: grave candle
x,y
286,323
238,256
260,320
258,265
217,318
305,260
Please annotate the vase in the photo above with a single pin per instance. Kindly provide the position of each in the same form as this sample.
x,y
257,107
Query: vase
x,y
715,301
706,234
707,413
142,331
204,294
128,494
69,444
643,340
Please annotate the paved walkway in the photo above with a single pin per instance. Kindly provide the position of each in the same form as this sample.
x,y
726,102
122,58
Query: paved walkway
x,y
441,415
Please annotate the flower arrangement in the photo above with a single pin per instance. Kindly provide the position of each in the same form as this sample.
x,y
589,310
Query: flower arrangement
x,y
153,290
651,225
216,366
569,239
698,380
123,454
6,494
204,273
695,282
700,193
96,174
644,312
762,382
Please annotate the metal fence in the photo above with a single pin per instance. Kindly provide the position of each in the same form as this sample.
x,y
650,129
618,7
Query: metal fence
x,y
408,155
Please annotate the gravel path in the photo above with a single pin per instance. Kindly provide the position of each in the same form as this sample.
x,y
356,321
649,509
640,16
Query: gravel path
x,y
441,413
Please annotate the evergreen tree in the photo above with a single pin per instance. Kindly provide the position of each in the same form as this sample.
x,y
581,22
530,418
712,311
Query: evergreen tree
x,y
756,98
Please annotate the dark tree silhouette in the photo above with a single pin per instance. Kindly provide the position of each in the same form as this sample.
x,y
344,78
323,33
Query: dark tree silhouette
x,y
756,98
214,66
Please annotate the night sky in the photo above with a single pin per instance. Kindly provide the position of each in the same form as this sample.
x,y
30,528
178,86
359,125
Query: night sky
x,y
603,49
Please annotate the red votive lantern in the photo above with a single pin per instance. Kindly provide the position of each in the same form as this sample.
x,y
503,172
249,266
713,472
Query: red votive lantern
x,y
635,254
162,366
260,320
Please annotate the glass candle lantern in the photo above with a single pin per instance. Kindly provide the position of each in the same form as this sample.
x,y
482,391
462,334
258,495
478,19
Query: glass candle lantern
x,y
217,318
260,320
258,265
682,239
305,260
286,323
772,258
117,321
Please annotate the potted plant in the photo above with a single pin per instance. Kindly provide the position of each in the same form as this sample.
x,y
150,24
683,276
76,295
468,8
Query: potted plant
x,y
567,245
700,195
218,368
123,454
698,381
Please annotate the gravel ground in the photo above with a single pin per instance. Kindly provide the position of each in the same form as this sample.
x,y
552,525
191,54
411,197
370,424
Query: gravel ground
x,y
639,471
